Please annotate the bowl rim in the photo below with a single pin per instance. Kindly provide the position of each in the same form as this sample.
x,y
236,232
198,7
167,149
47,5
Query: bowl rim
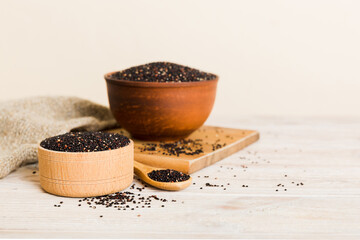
x,y
110,79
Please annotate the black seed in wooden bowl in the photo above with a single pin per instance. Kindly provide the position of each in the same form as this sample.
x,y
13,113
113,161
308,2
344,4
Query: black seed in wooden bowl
x,y
85,142
168,175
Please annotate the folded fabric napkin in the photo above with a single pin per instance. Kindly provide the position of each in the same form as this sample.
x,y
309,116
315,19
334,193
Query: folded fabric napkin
x,y
25,123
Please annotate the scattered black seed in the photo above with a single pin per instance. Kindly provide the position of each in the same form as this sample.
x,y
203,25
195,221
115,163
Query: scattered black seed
x,y
184,146
34,172
163,72
85,142
211,185
168,175
122,200
101,216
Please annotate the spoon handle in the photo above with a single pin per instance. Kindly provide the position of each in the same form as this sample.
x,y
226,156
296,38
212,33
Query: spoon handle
x,y
142,168
138,167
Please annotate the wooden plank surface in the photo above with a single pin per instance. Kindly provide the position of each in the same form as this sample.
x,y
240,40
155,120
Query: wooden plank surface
x,y
323,154
217,143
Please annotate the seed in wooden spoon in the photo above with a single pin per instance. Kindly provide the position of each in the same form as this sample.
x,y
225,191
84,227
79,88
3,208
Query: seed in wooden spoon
x,y
168,175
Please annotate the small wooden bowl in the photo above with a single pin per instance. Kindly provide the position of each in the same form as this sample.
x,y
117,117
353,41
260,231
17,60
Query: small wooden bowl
x,y
158,110
79,174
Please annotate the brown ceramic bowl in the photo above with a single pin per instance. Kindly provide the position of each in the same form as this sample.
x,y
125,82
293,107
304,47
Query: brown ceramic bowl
x,y
158,110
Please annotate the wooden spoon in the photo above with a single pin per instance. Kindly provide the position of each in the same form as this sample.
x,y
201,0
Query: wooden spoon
x,y
142,170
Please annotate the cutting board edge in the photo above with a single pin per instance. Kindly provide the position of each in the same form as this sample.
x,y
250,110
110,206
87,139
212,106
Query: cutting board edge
x,y
207,160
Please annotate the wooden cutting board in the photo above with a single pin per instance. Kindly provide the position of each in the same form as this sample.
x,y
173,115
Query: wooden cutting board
x,y
215,142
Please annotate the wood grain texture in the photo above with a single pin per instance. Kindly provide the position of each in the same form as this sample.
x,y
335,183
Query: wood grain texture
x,y
232,140
322,153
86,174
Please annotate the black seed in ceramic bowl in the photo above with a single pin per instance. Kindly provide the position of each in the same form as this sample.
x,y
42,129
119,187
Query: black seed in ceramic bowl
x,y
85,142
163,72
168,175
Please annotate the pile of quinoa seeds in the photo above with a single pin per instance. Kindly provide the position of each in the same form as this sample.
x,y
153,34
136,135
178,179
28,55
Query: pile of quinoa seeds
x,y
163,72
168,175
85,142
131,200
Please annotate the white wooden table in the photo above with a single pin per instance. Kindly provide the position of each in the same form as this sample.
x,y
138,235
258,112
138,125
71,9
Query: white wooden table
x,y
323,154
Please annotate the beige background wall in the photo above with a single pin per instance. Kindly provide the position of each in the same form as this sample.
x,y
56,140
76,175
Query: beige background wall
x,y
273,57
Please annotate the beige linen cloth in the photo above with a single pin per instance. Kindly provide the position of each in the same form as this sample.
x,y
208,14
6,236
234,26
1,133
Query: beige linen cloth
x,y
25,123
